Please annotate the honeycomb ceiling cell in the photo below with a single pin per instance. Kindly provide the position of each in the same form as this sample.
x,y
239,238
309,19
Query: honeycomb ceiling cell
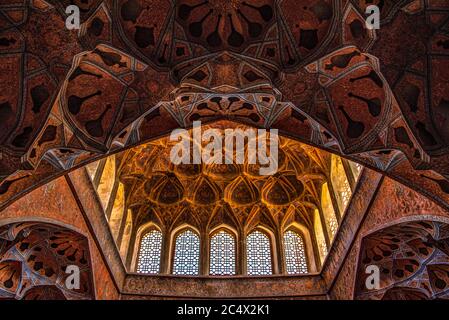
x,y
282,189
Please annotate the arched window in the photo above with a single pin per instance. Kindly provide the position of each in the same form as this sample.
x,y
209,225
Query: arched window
x,y
328,211
319,234
222,254
258,254
340,183
295,253
187,253
150,252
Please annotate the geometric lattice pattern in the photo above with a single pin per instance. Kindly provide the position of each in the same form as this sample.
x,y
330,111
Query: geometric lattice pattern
x,y
150,252
328,211
187,254
295,254
332,226
319,235
345,193
222,254
322,248
258,254
340,183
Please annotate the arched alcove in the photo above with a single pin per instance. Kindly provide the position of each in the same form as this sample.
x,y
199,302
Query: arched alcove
x,y
37,260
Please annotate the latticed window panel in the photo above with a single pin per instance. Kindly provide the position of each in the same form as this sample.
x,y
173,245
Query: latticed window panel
x,y
150,252
187,254
345,193
328,211
222,254
295,253
258,254
340,183
322,247
319,234
332,225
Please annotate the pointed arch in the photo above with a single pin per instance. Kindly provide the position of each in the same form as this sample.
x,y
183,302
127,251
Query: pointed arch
x,y
223,251
223,214
295,252
260,216
186,216
306,235
186,251
282,189
166,190
340,183
150,249
298,212
138,235
241,192
205,191
259,252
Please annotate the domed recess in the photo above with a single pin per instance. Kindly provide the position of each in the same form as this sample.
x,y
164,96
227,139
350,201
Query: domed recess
x,y
242,192
205,192
188,170
254,169
223,171
282,189
166,189
223,214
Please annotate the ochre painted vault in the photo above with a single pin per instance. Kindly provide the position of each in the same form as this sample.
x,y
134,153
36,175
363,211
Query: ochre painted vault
x,y
358,118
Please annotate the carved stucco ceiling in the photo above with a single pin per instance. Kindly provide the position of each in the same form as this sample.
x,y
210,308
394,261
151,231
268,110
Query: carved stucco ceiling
x,y
412,259
34,258
207,195
138,69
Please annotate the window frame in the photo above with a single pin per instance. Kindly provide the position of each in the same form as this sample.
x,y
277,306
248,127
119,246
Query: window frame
x,y
273,252
333,207
143,234
234,235
299,232
174,235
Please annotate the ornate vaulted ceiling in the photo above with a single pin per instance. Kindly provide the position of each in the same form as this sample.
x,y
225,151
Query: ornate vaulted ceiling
x,y
138,69
208,195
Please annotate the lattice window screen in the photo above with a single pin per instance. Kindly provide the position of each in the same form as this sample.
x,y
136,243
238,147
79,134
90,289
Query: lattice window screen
x,y
258,254
319,234
328,211
150,252
295,253
340,183
187,254
222,254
